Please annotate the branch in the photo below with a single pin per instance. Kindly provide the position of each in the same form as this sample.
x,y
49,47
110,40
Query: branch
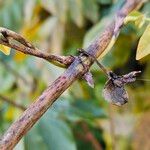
x,y
90,137
34,112
112,127
17,42
5,99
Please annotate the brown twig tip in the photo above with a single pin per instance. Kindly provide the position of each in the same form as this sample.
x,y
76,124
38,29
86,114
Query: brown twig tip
x,y
34,112
9,37
15,36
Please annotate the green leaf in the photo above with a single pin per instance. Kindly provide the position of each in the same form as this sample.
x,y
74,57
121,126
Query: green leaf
x,y
16,13
98,28
50,6
120,52
11,14
95,31
146,9
105,2
84,110
56,134
6,79
48,27
34,141
144,44
90,9
57,8
51,133
75,8
89,109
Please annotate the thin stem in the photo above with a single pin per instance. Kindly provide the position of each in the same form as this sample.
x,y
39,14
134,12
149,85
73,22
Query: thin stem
x,y
90,137
14,72
112,127
147,80
102,67
97,62
17,42
13,103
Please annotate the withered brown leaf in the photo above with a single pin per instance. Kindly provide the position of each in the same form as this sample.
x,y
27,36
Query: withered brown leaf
x,y
114,91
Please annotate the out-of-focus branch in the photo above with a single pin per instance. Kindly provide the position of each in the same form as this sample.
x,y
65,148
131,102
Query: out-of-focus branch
x,y
33,113
5,99
90,137
14,72
112,127
17,42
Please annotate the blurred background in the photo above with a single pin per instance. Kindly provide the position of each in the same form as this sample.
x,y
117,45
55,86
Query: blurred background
x,y
81,119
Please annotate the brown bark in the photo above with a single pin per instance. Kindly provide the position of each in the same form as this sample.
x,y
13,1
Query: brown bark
x,y
17,42
33,113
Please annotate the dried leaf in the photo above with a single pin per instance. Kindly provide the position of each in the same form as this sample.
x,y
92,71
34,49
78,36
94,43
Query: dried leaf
x,y
89,79
114,91
115,94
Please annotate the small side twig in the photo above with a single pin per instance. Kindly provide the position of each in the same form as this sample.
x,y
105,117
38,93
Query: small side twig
x,y
7,100
17,42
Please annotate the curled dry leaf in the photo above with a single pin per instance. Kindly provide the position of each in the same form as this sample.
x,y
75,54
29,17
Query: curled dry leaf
x,y
89,79
114,91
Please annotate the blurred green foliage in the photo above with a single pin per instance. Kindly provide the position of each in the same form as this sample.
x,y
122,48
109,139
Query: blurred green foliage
x,y
80,119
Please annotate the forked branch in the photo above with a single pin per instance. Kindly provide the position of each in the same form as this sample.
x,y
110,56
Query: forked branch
x,y
17,42
33,113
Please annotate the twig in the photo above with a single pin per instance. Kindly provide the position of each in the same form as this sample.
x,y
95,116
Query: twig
x,y
17,42
33,113
90,137
112,127
5,99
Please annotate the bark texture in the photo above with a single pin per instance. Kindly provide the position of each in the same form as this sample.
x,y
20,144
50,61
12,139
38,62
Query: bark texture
x,y
33,113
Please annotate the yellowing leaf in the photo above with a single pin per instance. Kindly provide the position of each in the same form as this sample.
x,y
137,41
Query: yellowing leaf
x,y
30,31
136,17
140,22
133,16
5,49
9,115
19,56
144,44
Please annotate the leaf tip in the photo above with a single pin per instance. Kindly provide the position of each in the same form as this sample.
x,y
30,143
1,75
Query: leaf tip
x,y
5,49
89,79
